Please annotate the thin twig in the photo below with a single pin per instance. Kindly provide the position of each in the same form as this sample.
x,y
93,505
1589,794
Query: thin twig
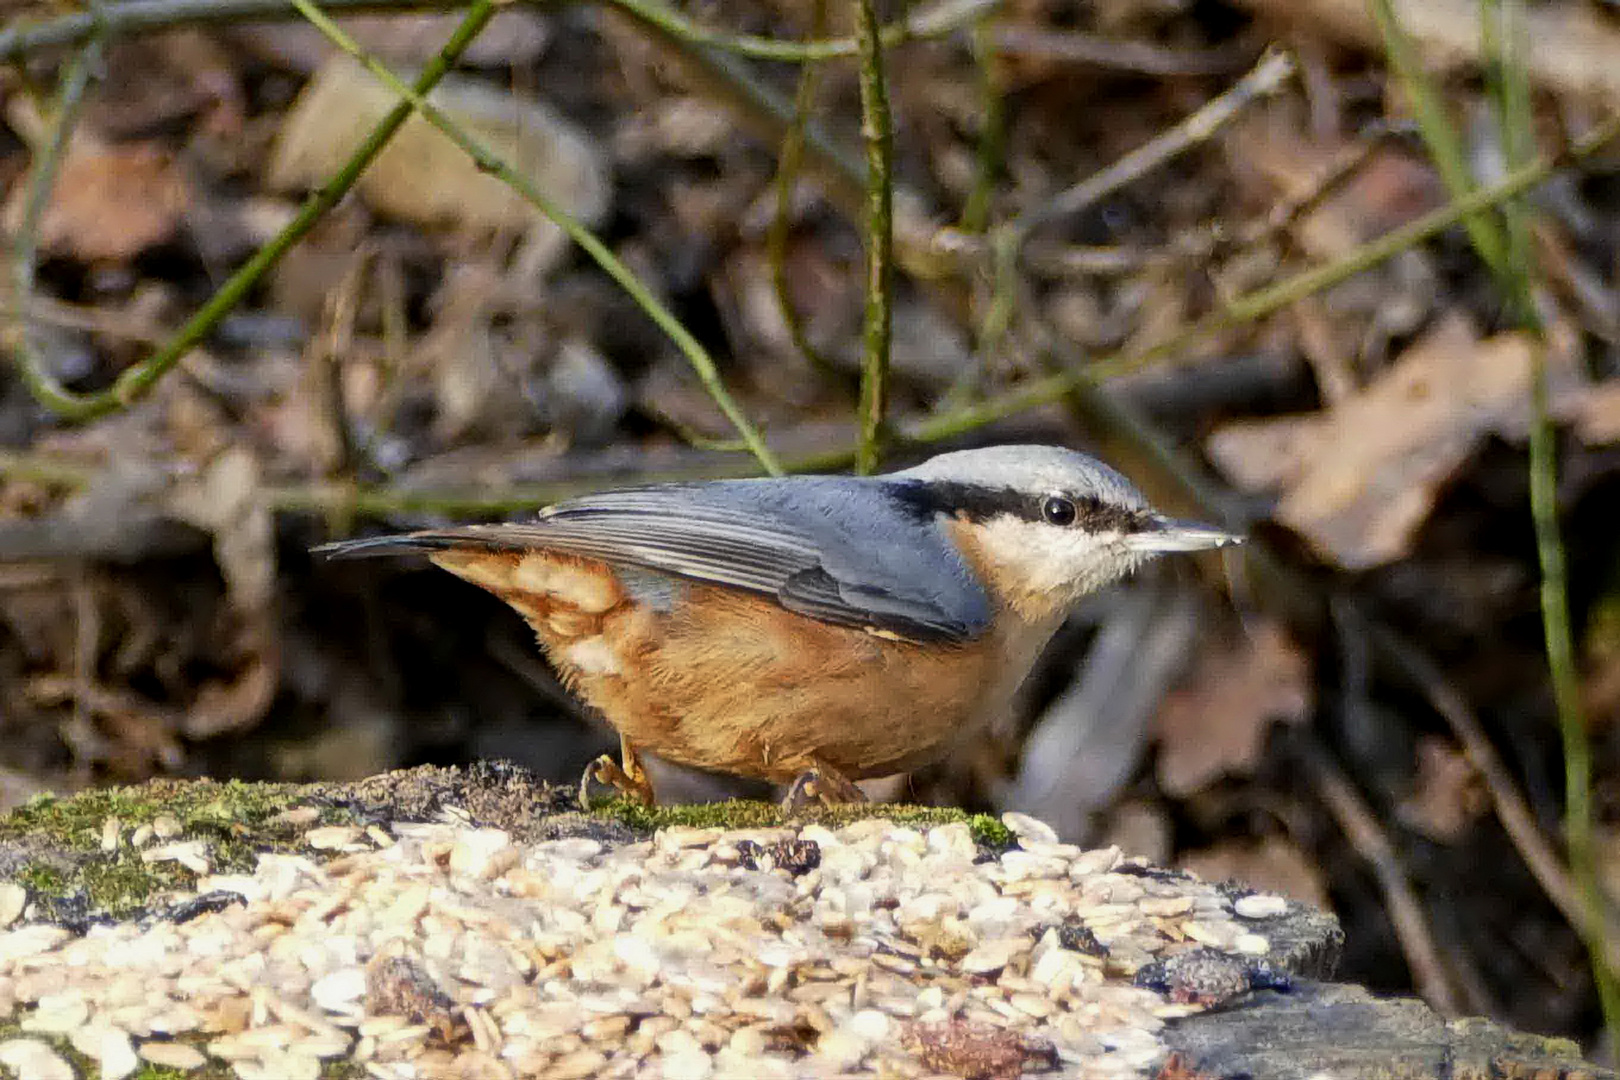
x,y
1261,302
975,219
1511,807
876,128
1360,826
1117,54
760,107
1267,77
137,380
1007,240
335,497
25,243
788,162
1578,832
130,17
702,363
127,18
937,21
89,319
1059,260
1345,166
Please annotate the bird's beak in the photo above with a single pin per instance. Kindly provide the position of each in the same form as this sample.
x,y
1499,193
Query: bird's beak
x,y
1165,535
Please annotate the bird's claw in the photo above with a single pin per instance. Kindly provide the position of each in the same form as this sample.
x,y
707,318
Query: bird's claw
x,y
821,786
604,770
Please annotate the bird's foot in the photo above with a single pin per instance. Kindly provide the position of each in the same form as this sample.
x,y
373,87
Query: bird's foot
x,y
631,782
821,785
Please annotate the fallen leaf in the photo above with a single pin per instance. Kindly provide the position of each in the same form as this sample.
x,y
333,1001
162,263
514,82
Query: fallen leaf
x,y
1273,865
1597,414
1216,724
110,203
1360,478
1448,796
1570,47
421,176
1272,154
226,501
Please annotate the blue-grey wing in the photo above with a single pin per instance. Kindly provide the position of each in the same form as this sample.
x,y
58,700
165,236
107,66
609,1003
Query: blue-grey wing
x,y
831,548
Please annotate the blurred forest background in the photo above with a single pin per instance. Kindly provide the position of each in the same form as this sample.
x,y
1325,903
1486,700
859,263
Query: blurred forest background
x,y
1206,239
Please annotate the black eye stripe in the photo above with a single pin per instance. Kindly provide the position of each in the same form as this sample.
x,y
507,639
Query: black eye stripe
x,y
1098,516
979,502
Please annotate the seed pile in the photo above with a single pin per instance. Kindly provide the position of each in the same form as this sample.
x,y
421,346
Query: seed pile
x,y
442,949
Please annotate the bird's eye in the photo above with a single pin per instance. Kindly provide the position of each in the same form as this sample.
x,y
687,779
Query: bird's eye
x,y
1058,511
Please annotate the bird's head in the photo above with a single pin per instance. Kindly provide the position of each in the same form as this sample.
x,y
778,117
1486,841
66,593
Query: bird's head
x,y
1046,525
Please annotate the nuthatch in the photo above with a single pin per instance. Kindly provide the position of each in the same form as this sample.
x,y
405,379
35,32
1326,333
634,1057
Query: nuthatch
x,y
811,629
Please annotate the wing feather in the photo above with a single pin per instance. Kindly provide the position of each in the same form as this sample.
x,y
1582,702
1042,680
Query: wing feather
x,y
761,540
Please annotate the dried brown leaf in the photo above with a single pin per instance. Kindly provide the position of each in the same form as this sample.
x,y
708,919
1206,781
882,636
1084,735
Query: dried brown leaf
x,y
1217,723
421,175
1449,795
110,203
1360,478
1275,865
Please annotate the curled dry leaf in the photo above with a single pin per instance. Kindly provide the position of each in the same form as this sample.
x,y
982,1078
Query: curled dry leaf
x,y
110,203
226,501
1359,479
1572,47
1217,723
1597,414
460,355
421,175
1448,795
1274,865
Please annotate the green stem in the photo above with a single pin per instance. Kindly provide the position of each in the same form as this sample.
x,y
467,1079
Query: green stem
x,y
25,245
1440,135
489,162
790,161
976,210
135,381
143,16
1262,302
1502,40
877,128
1578,832
945,19
348,499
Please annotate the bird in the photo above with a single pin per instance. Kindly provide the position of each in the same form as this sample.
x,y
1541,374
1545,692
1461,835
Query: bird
x,y
809,630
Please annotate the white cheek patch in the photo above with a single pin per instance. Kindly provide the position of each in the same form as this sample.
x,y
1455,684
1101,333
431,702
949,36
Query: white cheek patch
x,y
1047,559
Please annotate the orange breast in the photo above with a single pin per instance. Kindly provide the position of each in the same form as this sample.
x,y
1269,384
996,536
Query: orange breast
x,y
733,682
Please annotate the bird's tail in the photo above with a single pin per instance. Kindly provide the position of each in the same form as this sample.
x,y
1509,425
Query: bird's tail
x,y
490,538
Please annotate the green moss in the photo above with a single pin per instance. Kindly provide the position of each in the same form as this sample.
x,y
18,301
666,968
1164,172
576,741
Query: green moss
x,y
46,880
57,842
200,806
54,845
87,1067
125,885
149,1071
749,814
